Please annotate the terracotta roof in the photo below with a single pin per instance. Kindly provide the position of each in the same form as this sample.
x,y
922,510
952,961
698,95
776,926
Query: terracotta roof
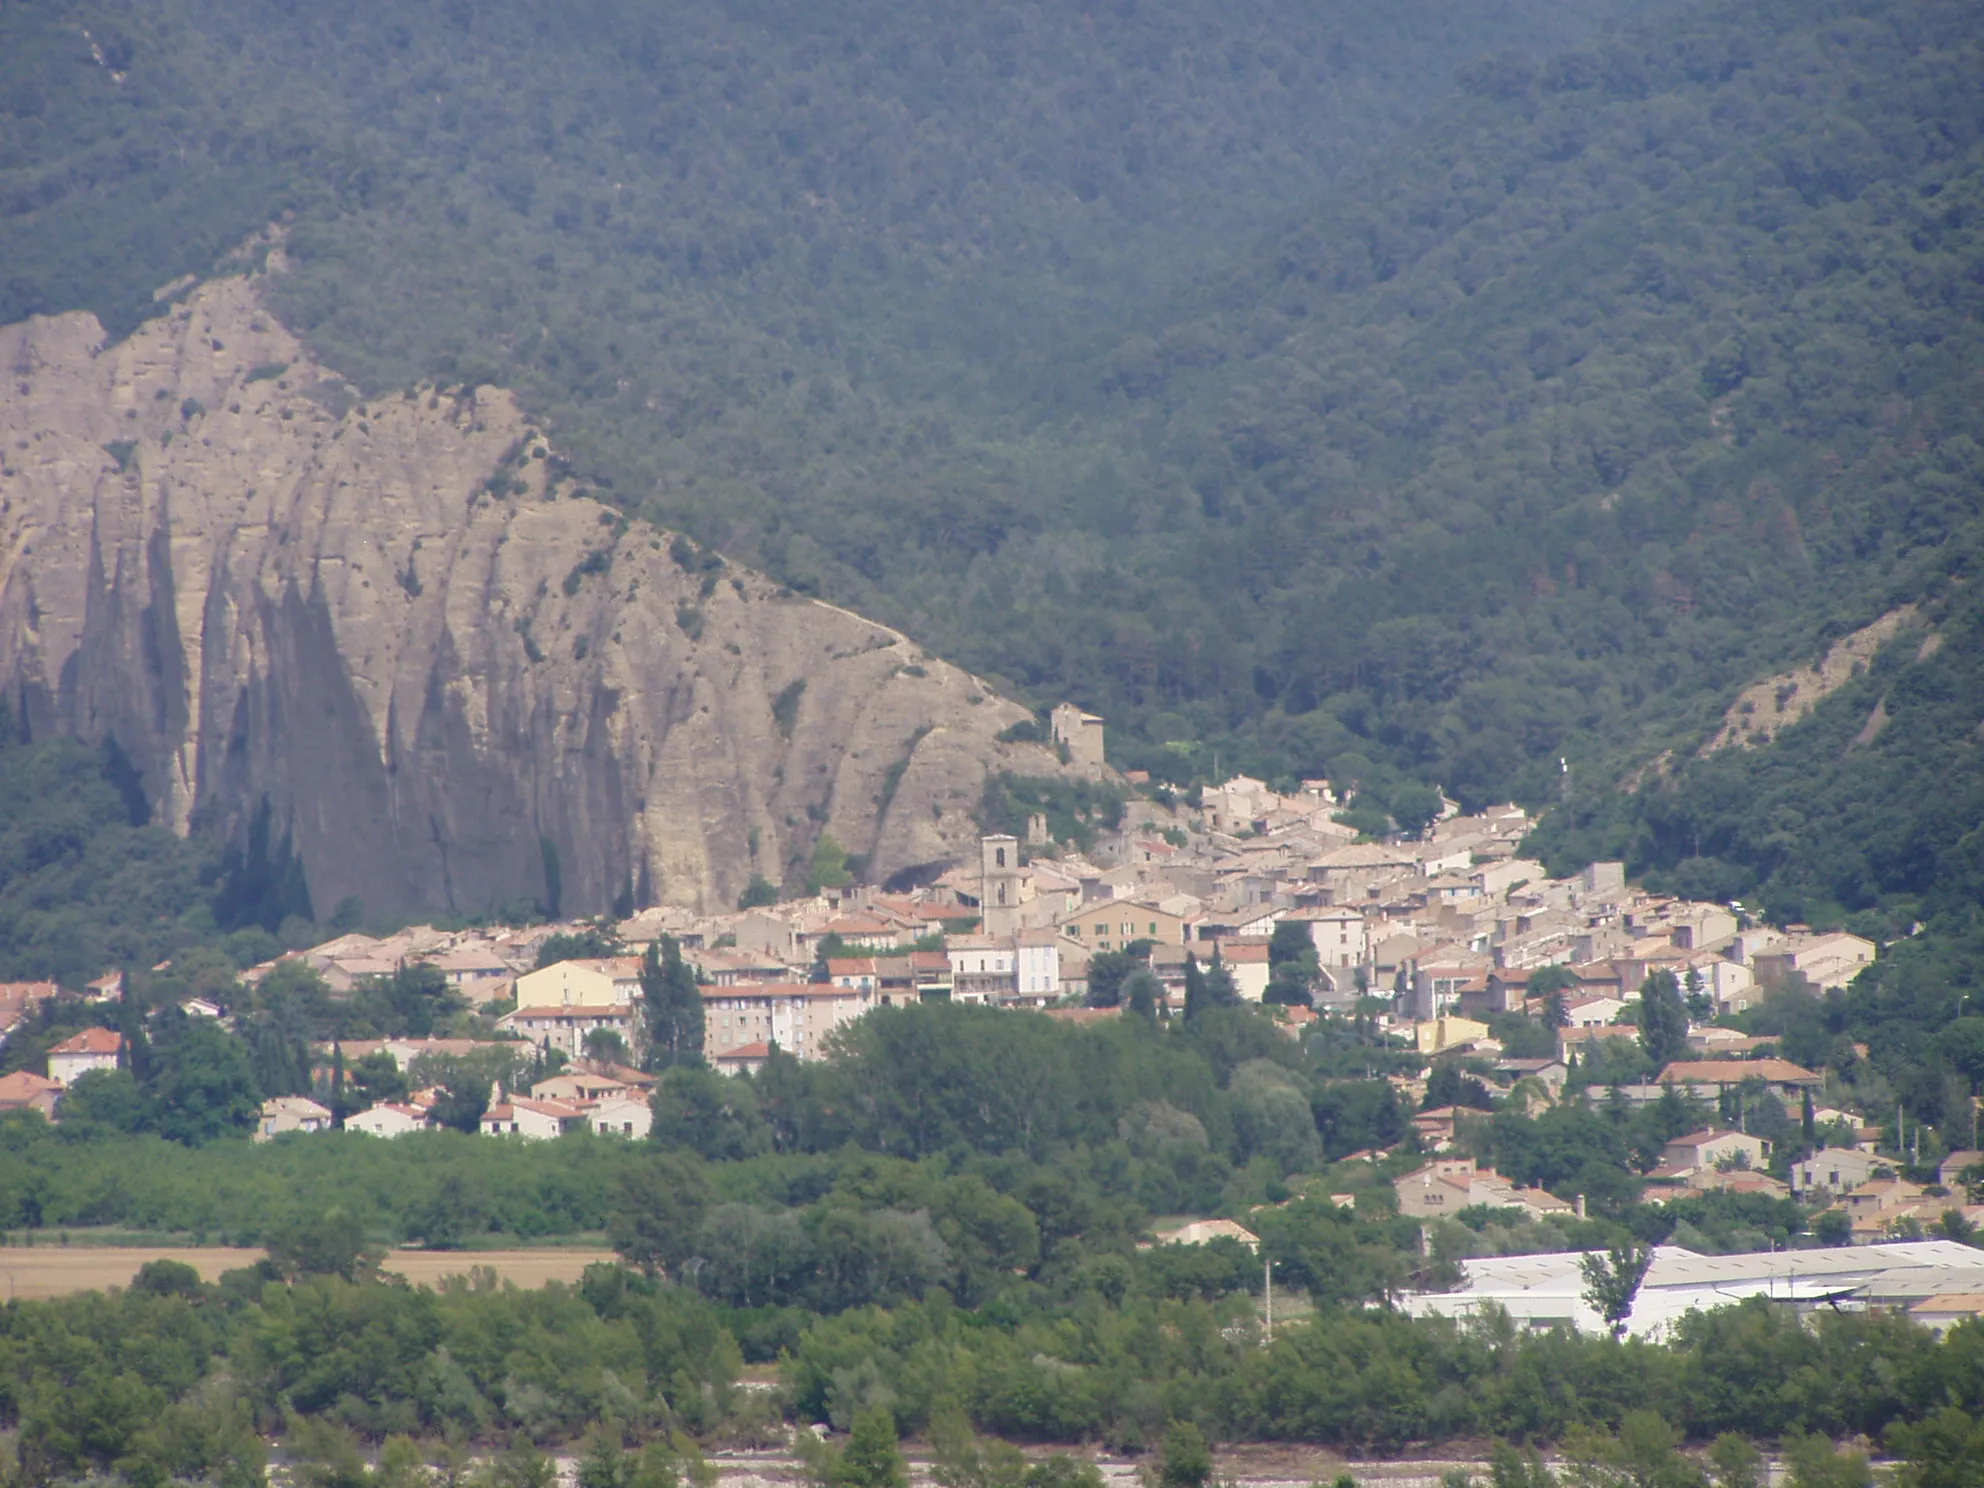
x,y
1967,1304
25,1085
294,1105
1243,952
548,1107
759,1050
779,989
605,1009
91,1041
1734,1071
1706,1134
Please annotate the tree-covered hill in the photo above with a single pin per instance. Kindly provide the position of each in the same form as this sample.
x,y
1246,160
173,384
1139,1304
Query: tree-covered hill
x,y
695,207
1151,355
779,272
1646,369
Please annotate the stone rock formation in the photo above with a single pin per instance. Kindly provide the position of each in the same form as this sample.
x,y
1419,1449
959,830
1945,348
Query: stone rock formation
x,y
448,679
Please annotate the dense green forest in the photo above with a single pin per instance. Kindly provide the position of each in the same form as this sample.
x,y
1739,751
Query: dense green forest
x,y
936,1229
1371,393
1087,1133
174,1378
1528,428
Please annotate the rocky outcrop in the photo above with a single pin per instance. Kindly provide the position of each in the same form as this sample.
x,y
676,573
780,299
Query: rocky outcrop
x,y
1766,709
451,680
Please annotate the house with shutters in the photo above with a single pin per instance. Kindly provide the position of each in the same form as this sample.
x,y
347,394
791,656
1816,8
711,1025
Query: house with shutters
x,y
533,1120
290,1113
565,1027
79,1055
1112,924
388,1119
602,981
798,1016
1339,935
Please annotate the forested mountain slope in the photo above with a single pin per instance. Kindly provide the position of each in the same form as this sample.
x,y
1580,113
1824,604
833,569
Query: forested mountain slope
x,y
1649,369
1634,372
385,638
773,270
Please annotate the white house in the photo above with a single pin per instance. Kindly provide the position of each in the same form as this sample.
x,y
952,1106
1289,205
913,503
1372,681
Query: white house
x,y
290,1113
1595,1012
387,1120
1037,963
566,1027
626,1115
78,1055
984,968
1246,961
475,971
1712,1148
1836,1170
1830,960
1339,936
533,1120
1497,879
1731,984
745,1059
855,973
798,1016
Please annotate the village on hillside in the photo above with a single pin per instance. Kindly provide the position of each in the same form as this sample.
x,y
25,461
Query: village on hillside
x,y
1424,941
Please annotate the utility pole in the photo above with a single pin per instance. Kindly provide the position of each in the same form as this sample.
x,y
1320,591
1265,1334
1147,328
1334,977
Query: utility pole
x,y
1267,1287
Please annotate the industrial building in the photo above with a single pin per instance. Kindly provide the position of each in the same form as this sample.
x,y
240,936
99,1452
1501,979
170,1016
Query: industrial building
x,y
1921,1277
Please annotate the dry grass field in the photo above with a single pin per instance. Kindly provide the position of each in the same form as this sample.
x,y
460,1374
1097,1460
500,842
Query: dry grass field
x,y
56,1271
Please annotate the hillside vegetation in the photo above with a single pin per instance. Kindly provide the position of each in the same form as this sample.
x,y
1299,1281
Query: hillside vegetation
x,y
781,274
1308,390
1648,368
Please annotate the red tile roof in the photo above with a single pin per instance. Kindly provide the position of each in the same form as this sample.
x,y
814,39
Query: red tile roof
x,y
91,1041
1735,1071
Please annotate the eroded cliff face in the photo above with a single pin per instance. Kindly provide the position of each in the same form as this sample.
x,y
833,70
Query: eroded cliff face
x,y
444,679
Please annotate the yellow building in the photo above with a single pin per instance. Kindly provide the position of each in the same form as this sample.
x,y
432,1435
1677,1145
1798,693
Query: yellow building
x,y
1438,1035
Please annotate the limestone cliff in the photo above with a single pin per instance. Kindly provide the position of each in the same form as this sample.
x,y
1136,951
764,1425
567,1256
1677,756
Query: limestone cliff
x,y
446,676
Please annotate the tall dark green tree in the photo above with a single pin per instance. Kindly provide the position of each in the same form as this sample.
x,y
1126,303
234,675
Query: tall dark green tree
x,y
278,1036
1107,971
1553,985
671,1006
1662,1019
1207,987
1292,965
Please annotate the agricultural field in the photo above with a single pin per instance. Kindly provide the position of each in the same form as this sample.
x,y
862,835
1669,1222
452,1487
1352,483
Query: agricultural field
x,y
32,1274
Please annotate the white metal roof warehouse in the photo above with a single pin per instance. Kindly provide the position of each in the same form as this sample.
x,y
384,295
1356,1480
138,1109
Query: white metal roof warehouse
x,y
1545,1291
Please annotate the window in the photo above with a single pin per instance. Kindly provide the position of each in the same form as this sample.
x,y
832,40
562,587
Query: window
x,y
999,855
1153,927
